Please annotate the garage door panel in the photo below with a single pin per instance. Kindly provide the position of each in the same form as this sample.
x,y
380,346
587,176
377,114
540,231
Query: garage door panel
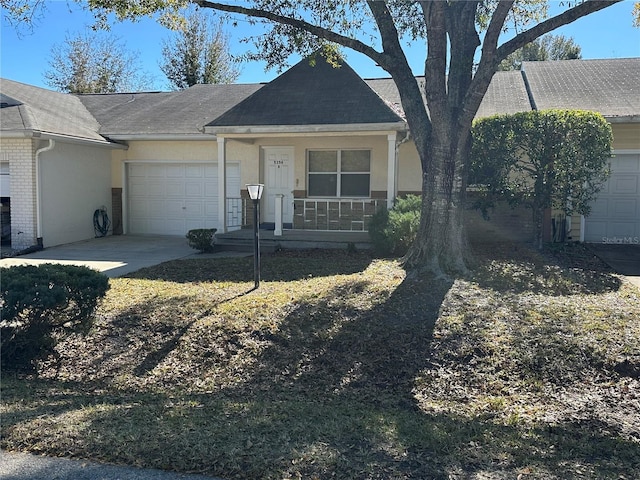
x,y
621,229
136,171
615,214
194,171
624,208
595,231
211,190
172,208
193,189
600,208
624,185
211,208
138,208
626,163
170,199
212,172
153,189
169,171
193,209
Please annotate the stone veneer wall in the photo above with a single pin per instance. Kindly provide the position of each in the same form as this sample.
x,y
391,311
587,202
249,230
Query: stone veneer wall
x,y
337,215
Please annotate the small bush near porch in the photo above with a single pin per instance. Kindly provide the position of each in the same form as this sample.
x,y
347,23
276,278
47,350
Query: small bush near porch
x,y
340,366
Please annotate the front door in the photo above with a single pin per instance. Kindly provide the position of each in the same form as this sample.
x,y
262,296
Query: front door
x,y
278,180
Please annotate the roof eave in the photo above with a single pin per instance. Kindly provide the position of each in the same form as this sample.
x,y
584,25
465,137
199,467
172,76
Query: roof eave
x,y
29,133
283,130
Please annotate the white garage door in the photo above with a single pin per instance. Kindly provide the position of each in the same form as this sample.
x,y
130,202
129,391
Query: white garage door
x,y
615,215
173,198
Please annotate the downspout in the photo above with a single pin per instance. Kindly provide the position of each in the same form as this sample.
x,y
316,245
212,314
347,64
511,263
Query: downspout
x,y
52,143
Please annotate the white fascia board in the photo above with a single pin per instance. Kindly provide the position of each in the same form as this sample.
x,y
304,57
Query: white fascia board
x,y
309,130
62,138
160,137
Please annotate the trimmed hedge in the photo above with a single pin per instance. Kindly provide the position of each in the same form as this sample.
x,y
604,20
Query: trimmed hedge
x,y
40,306
393,231
202,239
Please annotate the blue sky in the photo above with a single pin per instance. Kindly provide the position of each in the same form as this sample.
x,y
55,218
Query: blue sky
x,y
24,55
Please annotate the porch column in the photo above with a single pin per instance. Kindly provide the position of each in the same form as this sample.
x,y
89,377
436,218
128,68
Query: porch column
x,y
222,186
391,169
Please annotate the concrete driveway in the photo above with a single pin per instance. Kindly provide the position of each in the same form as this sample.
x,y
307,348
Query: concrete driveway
x,y
623,259
113,255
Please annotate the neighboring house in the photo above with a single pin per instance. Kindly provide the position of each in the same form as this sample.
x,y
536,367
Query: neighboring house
x,y
330,148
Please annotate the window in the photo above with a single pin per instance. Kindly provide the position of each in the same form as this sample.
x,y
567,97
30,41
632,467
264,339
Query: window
x,y
339,173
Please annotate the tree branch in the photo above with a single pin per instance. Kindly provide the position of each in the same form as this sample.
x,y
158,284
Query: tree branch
x,y
566,17
435,68
320,32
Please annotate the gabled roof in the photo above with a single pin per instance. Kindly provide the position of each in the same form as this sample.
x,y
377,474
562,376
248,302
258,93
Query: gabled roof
x,y
28,109
305,95
610,86
182,112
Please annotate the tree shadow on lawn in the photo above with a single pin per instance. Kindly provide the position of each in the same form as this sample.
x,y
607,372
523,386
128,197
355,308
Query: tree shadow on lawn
x,y
282,266
331,396
562,270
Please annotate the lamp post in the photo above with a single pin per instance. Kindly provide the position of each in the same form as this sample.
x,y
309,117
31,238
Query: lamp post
x,y
255,192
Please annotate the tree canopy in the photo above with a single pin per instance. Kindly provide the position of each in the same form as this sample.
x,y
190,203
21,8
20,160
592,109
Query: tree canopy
x,y
549,47
198,53
94,63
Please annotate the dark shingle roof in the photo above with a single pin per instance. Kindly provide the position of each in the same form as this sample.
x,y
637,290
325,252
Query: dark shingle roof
x,y
610,86
164,113
311,95
506,94
29,108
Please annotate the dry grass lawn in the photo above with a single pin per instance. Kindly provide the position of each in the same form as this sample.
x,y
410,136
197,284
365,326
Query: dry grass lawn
x,y
340,366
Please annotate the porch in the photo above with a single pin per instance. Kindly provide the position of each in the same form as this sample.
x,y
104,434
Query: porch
x,y
317,223
242,239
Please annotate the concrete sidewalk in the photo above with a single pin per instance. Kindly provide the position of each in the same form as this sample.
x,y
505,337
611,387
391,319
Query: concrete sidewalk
x,y
115,255
623,259
24,466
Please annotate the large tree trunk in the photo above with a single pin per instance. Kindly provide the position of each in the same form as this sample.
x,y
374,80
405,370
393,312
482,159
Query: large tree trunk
x,y
441,246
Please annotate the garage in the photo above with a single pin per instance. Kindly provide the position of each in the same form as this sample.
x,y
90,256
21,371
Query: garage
x,y
615,215
173,198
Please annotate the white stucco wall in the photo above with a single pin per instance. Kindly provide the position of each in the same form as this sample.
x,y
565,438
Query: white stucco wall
x,y
247,152
409,169
75,180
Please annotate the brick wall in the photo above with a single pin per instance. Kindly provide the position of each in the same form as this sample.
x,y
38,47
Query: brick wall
x,y
20,155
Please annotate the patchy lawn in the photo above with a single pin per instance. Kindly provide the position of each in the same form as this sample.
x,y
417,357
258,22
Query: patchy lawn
x,y
340,366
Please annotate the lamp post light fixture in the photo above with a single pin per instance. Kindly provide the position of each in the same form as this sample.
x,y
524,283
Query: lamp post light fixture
x,y
255,193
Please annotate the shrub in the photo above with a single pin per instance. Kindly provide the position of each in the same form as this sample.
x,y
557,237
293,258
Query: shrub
x,y
393,231
202,239
40,306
